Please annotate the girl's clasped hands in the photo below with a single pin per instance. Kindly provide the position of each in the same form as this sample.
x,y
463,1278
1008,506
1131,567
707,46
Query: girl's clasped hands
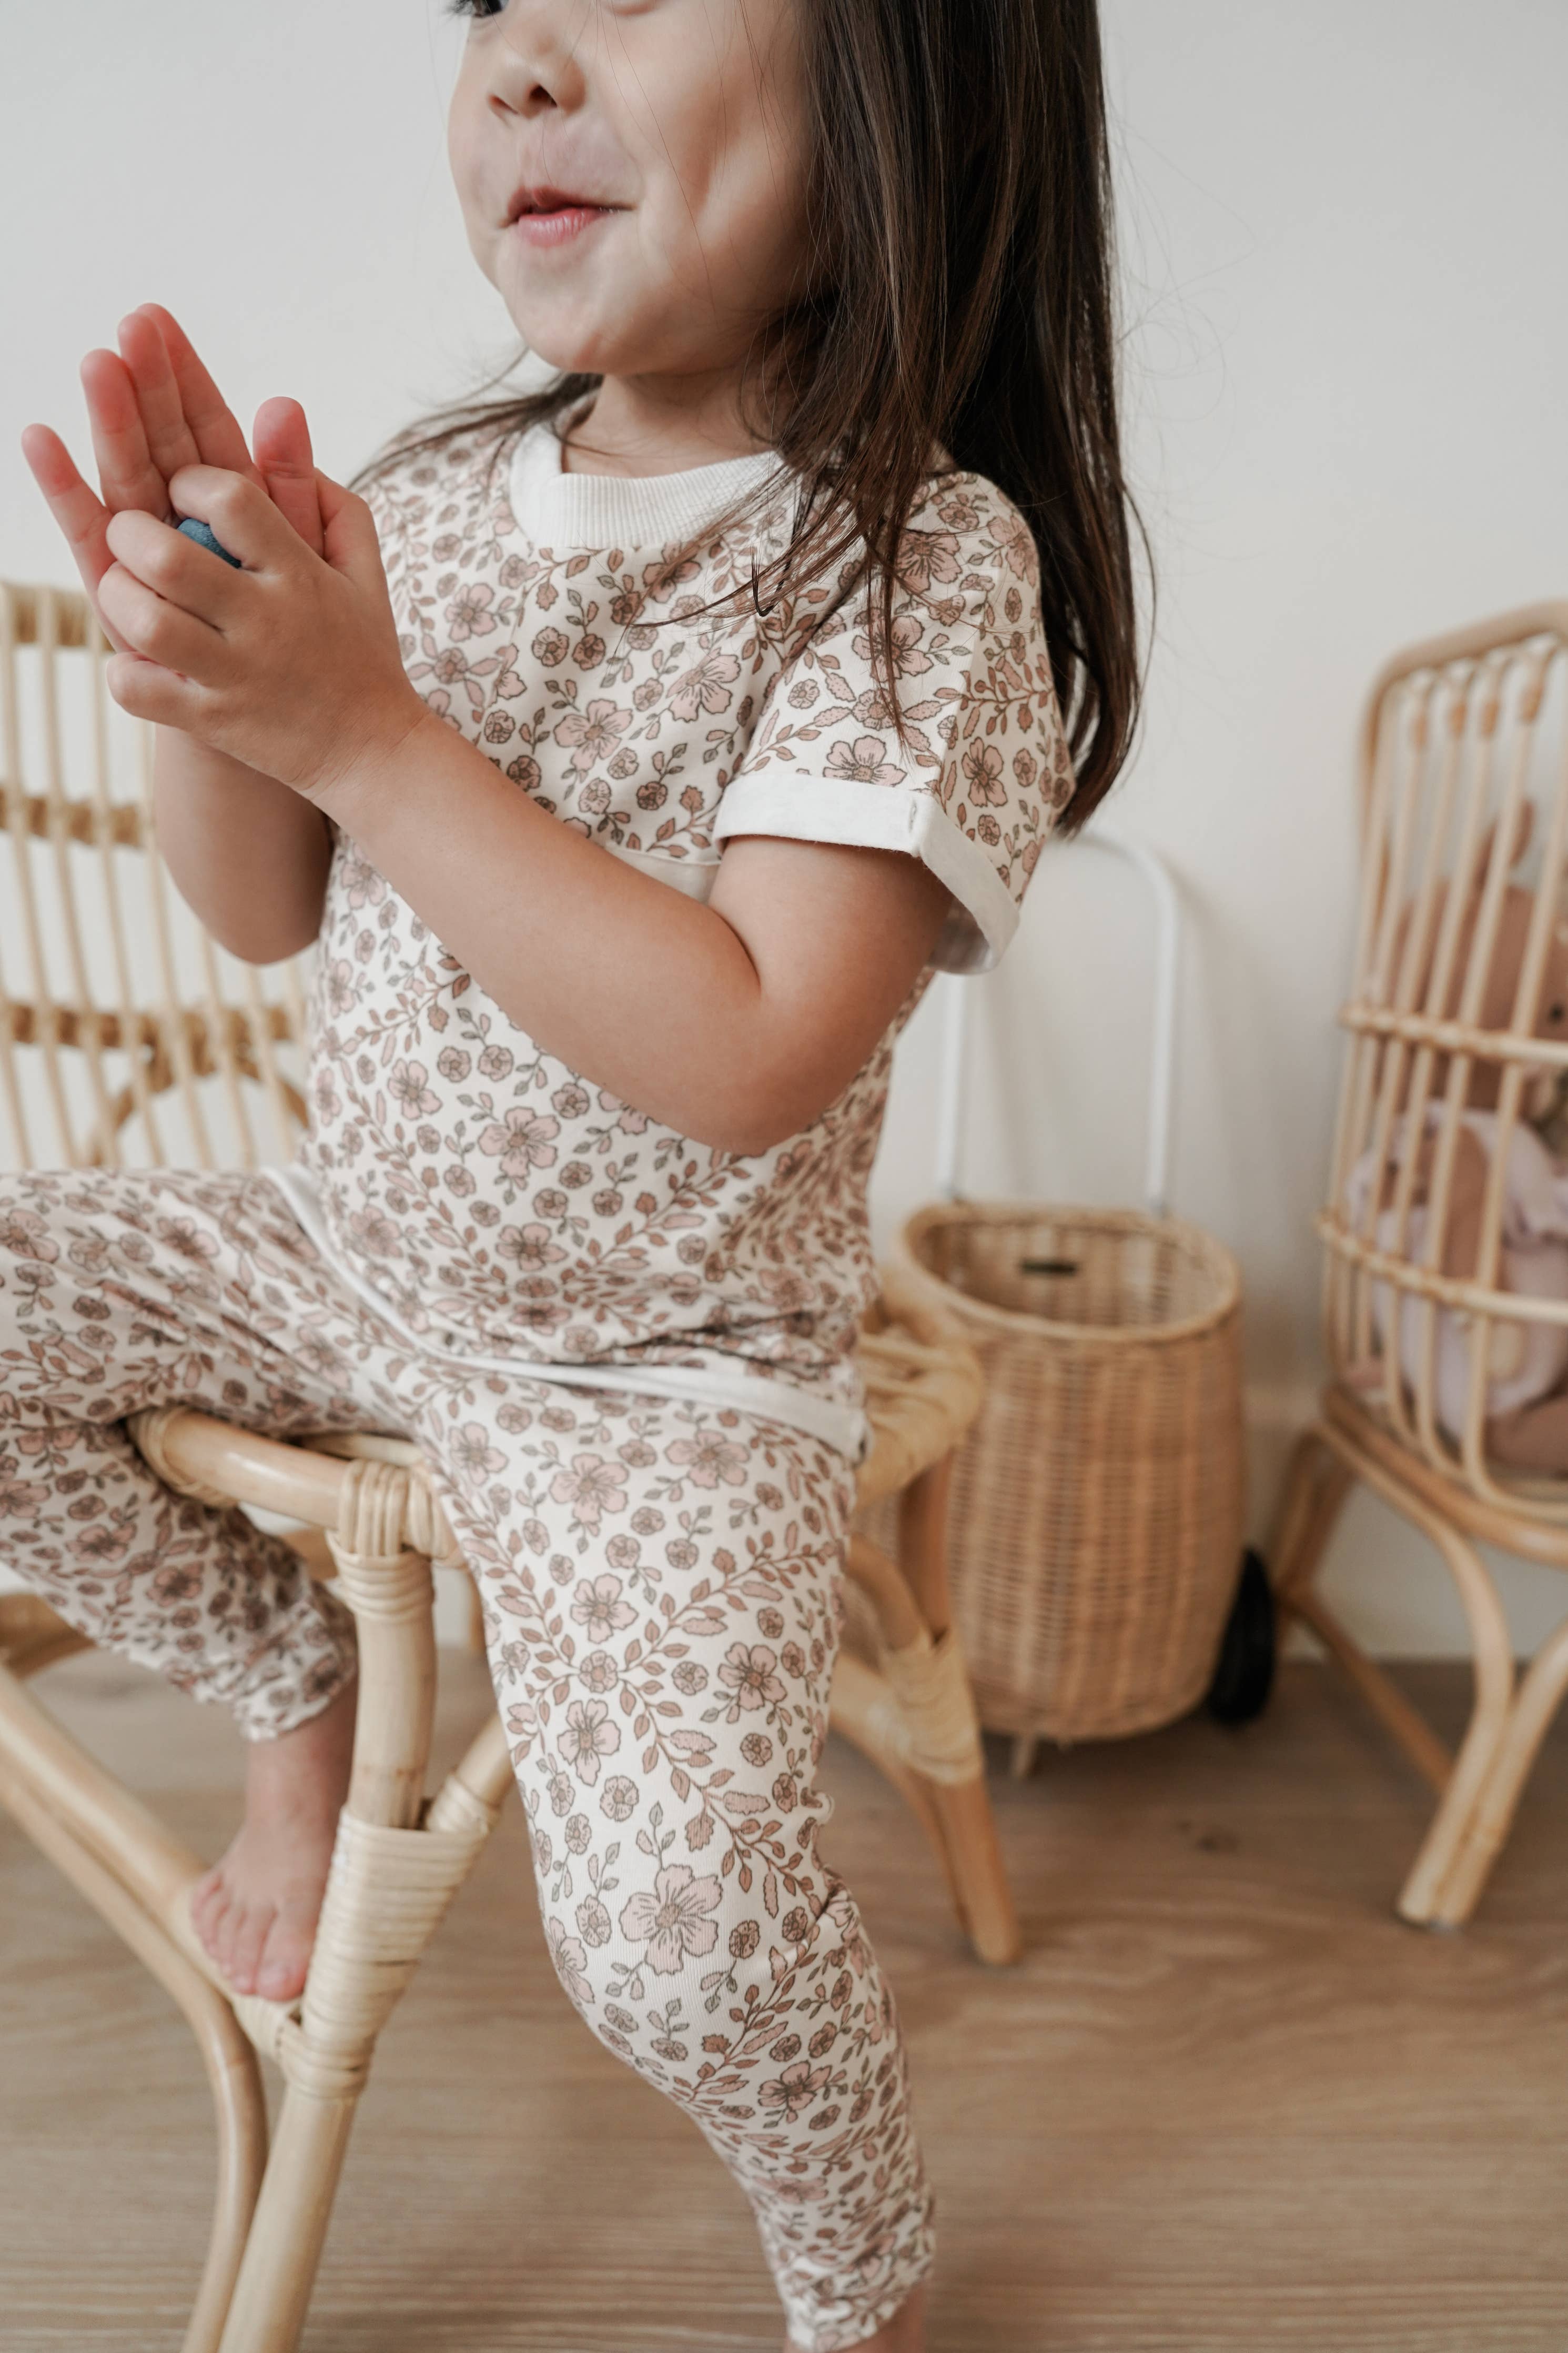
x,y
289,664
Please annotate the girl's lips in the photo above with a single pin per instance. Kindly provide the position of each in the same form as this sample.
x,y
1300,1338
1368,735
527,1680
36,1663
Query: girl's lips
x,y
558,228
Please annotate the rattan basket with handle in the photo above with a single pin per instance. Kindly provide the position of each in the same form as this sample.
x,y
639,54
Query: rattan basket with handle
x,y
1098,1502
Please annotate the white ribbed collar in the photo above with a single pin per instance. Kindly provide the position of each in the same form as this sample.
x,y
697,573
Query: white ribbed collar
x,y
597,510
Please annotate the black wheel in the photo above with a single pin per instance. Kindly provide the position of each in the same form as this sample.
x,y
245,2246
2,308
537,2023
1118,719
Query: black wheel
x,y
1244,1674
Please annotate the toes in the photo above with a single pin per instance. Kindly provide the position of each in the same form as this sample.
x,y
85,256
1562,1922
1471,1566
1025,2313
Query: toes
x,y
227,1931
248,1942
285,1959
210,1917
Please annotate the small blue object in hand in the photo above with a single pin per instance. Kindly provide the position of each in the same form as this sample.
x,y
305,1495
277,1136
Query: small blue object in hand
x,y
204,537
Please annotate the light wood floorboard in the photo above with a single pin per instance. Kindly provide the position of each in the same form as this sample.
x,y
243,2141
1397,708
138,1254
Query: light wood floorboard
x,y
1228,2101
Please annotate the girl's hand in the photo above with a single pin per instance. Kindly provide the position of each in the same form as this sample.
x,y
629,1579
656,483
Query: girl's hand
x,y
152,408
291,665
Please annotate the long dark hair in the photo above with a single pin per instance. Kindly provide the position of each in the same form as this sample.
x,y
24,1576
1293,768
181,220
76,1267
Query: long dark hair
x,y
963,293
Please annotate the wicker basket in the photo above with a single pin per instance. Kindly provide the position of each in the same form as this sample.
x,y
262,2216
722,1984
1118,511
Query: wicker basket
x,y
1096,1521
1098,1504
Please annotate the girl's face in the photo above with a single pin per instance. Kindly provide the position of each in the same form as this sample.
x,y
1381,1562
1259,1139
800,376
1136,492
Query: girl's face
x,y
680,124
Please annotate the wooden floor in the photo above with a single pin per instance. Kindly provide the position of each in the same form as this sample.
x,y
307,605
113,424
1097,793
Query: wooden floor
x,y
1228,2102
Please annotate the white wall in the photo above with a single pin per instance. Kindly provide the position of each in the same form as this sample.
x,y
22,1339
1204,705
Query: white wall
x,y
1347,365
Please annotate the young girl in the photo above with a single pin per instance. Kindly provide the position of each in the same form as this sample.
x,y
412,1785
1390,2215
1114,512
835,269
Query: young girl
x,y
634,752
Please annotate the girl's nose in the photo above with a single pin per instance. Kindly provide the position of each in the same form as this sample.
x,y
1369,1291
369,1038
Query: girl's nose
x,y
536,64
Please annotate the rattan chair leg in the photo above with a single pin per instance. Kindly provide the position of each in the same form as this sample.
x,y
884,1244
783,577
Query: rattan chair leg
x,y
391,1594
1317,1486
1492,1655
915,1720
284,2252
963,1808
864,1711
352,1984
975,1862
130,1872
1403,1723
234,2079
383,1903
482,1777
882,1580
923,1542
1535,1703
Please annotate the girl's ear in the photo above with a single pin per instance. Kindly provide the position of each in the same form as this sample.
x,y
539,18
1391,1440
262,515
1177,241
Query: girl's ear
x,y
281,440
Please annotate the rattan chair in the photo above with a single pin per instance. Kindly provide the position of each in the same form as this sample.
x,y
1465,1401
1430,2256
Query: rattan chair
x,y
123,1026
1462,735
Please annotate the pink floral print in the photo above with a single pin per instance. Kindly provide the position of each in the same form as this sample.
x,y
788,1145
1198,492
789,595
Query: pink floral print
x,y
674,1921
510,1209
661,1633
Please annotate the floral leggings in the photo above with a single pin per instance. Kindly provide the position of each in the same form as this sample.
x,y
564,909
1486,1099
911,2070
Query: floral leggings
x,y
659,1583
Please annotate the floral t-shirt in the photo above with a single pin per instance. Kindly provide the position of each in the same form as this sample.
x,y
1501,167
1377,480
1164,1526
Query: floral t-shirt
x,y
494,1205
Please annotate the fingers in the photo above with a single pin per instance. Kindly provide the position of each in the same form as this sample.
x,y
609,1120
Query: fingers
x,y
171,443
79,513
176,570
245,1953
146,691
163,599
243,516
159,411
81,516
157,630
353,545
288,467
211,424
126,474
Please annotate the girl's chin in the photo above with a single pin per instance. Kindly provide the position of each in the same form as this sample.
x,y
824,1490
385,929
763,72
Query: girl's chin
x,y
570,346
566,333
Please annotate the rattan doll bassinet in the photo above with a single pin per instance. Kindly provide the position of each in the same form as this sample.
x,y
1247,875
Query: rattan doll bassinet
x,y
1442,1323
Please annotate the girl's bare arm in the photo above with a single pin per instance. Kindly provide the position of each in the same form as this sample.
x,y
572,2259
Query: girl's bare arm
x,y
249,856
735,1023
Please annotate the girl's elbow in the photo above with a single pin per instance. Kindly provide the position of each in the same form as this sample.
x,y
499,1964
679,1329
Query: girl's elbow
x,y
746,1143
751,1122
272,942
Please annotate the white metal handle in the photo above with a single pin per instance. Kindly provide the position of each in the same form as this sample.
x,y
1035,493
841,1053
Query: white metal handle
x,y
1163,1064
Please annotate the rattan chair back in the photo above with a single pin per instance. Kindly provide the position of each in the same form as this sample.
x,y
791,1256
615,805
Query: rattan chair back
x,y
127,1036
1464,799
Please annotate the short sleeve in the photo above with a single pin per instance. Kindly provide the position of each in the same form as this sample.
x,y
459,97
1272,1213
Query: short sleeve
x,y
986,770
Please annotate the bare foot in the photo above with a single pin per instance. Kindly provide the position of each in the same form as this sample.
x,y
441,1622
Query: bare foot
x,y
905,2333
256,1911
